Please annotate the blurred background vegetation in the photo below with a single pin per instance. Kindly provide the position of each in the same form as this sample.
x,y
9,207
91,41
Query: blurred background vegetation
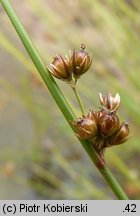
x,y
40,158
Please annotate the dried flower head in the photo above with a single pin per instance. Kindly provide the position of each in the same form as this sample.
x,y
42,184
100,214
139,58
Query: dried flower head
x,y
110,102
109,123
121,136
61,68
103,127
80,62
86,127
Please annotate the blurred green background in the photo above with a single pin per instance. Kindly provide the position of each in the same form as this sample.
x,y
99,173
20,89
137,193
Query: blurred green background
x,y
40,158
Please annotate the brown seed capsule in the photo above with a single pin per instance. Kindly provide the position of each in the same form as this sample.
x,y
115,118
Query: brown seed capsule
x,y
121,136
86,127
61,68
80,62
110,102
109,123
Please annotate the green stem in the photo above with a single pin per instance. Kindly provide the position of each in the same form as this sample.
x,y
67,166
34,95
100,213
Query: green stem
x,y
59,98
78,98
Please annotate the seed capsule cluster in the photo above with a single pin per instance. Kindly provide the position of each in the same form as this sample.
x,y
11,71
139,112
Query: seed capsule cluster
x,y
73,67
103,128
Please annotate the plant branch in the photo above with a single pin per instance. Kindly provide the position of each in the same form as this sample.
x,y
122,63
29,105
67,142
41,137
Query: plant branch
x,y
78,98
59,98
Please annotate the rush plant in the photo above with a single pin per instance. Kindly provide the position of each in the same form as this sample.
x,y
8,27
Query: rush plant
x,y
96,130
